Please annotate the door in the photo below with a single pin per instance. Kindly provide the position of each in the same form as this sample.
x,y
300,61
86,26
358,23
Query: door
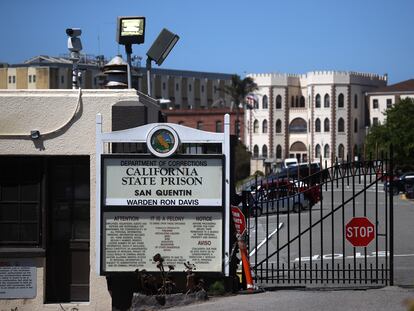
x,y
67,257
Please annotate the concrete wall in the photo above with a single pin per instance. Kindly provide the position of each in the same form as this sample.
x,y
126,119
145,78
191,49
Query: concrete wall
x,y
64,132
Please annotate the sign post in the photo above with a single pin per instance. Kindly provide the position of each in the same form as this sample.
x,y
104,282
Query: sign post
x,y
163,202
360,231
240,224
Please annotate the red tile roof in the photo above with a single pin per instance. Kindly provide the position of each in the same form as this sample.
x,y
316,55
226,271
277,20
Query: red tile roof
x,y
404,86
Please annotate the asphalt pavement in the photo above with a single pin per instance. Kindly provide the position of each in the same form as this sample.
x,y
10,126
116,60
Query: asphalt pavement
x,y
383,299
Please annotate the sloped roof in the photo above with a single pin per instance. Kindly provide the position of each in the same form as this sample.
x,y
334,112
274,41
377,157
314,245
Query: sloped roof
x,y
404,86
47,59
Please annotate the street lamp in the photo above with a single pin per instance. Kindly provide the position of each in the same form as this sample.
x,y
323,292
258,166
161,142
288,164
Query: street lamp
x,y
130,30
159,51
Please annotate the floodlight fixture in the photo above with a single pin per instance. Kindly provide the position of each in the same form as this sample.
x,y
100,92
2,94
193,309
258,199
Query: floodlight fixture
x,y
162,46
130,30
159,51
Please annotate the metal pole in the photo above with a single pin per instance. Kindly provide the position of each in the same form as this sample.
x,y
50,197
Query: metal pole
x,y
391,174
75,59
128,50
148,66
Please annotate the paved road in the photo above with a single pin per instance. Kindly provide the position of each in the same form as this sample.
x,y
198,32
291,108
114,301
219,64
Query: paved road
x,y
384,299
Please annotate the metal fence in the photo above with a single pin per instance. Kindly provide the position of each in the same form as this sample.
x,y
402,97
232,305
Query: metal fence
x,y
297,225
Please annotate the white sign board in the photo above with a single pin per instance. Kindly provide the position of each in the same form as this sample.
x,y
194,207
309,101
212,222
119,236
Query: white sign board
x,y
163,182
131,239
17,279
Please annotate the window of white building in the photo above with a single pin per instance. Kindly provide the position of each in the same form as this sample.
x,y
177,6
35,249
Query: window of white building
x,y
341,151
317,125
317,151
256,151
264,102
255,126
278,152
264,151
341,100
279,102
318,101
326,151
278,126
326,101
264,126
341,125
326,125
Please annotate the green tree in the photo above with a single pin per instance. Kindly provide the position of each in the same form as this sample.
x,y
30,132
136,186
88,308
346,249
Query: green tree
x,y
241,162
238,90
398,130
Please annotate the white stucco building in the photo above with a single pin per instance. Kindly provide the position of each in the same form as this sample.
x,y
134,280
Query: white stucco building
x,y
383,98
308,116
47,193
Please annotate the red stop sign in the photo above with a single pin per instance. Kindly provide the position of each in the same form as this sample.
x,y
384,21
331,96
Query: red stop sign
x,y
238,219
360,231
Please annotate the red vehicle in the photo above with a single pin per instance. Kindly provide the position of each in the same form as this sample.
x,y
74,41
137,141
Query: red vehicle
x,y
277,188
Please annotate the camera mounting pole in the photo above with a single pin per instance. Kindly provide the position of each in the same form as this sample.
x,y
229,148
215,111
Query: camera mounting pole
x,y
74,46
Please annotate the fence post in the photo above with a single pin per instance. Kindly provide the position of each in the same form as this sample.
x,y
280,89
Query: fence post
x,y
391,217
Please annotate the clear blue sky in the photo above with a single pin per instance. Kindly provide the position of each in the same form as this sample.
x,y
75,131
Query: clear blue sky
x,y
229,36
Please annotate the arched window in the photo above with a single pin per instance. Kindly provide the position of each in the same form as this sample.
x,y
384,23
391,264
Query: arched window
x,y
317,125
264,126
355,125
297,101
318,151
326,151
326,101
256,126
256,151
298,125
264,102
279,102
292,101
278,152
326,125
341,125
264,151
341,100
256,104
302,102
318,101
278,126
356,101
341,151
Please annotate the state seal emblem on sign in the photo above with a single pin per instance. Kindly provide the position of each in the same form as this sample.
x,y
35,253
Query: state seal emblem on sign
x,y
162,141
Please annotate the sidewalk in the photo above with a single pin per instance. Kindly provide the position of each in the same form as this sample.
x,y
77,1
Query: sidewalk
x,y
384,299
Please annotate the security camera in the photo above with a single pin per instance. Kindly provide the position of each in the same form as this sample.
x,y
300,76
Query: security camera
x,y
74,43
73,32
